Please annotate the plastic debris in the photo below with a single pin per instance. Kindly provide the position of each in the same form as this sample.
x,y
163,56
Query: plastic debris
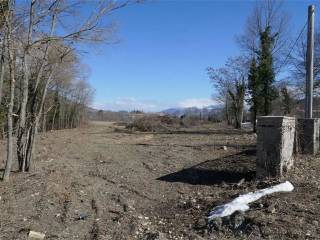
x,y
241,203
36,235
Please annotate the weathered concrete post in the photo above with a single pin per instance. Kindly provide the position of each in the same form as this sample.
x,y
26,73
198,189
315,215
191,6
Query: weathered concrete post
x,y
275,145
308,135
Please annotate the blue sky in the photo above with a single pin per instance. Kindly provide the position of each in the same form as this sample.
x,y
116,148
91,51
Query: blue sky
x,y
164,49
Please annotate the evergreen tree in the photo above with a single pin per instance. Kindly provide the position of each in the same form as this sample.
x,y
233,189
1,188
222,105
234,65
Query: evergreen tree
x,y
254,89
265,70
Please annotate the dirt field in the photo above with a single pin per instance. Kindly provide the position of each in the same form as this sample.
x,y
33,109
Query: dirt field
x,y
103,182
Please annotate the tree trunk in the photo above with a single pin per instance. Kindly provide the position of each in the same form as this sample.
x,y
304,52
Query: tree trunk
x,y
23,133
2,69
8,165
54,118
33,129
239,117
25,139
3,134
227,109
44,122
10,129
254,120
21,136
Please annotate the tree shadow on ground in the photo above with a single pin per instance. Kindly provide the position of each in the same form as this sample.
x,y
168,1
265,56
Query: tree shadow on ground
x,y
229,169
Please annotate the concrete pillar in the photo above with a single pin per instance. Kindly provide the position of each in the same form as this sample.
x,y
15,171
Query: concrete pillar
x,y
308,135
275,145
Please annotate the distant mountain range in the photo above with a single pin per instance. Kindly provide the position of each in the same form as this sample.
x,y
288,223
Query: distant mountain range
x,y
125,116
193,111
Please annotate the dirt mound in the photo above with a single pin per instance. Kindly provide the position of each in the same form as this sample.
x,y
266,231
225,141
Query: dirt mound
x,y
155,123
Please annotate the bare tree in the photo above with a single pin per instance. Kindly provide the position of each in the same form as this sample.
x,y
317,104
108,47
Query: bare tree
x,y
297,62
230,82
32,28
11,63
3,11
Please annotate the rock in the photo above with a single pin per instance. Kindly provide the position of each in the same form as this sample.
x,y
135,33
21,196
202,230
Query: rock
x,y
315,223
186,204
83,216
215,224
125,207
195,236
237,219
153,236
35,235
225,148
271,208
201,223
241,182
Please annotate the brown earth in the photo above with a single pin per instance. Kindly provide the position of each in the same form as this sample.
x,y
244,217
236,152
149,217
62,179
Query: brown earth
x,y
102,183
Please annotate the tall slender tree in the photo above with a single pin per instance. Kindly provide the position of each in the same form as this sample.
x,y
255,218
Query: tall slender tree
x,y
266,72
11,63
254,89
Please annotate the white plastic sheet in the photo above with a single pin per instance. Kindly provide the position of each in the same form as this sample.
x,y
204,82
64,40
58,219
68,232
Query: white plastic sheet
x,y
241,203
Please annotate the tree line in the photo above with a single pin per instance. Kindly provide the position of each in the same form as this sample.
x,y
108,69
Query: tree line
x,y
268,77
43,82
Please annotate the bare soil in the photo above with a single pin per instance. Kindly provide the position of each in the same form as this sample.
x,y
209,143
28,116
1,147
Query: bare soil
x,y
105,182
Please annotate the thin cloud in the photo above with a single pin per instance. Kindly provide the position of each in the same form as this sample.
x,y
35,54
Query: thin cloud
x,y
131,103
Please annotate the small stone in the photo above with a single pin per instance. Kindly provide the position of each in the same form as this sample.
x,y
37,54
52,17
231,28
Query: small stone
x,y
35,235
241,182
83,216
201,223
315,223
154,236
271,209
144,224
225,148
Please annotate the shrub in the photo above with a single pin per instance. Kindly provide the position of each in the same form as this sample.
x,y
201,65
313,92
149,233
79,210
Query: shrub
x,y
154,123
